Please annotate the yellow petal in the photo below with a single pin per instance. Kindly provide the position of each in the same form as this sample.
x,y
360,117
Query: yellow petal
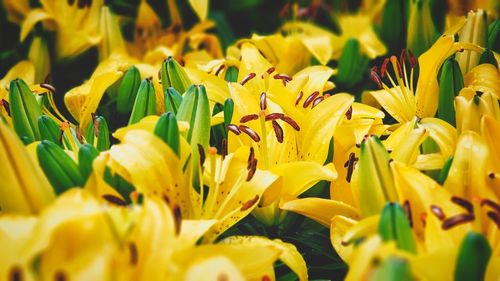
x,y
321,210
442,133
467,175
23,70
338,228
320,126
34,16
298,176
213,269
200,7
23,186
217,88
289,254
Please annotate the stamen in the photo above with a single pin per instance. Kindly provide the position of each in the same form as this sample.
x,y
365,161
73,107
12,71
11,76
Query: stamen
x,y
268,72
221,67
5,105
375,77
201,151
48,87
413,59
233,128
274,116
456,220
407,209
251,171
310,99
291,122
283,77
247,78
278,131
383,67
263,101
491,204
495,217
348,113
350,166
402,57
438,212
463,203
134,255
316,101
251,133
249,117
299,97
114,200
247,205
251,156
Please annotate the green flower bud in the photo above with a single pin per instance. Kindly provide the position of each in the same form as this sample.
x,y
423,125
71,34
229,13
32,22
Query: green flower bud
x,y
127,90
145,102
60,169
173,75
24,110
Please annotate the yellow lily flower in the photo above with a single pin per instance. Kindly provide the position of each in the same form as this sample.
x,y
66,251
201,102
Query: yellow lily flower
x,y
76,24
234,188
79,238
23,186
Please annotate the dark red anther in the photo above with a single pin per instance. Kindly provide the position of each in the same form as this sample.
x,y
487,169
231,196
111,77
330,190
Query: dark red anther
x,y
221,67
251,133
383,67
247,205
247,78
252,169
310,99
283,77
270,70
375,77
263,101
463,203
233,128
48,87
491,204
413,59
316,101
114,200
495,217
456,220
438,212
407,209
349,164
299,97
348,113
291,122
278,131
251,156
274,116
5,105
249,117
